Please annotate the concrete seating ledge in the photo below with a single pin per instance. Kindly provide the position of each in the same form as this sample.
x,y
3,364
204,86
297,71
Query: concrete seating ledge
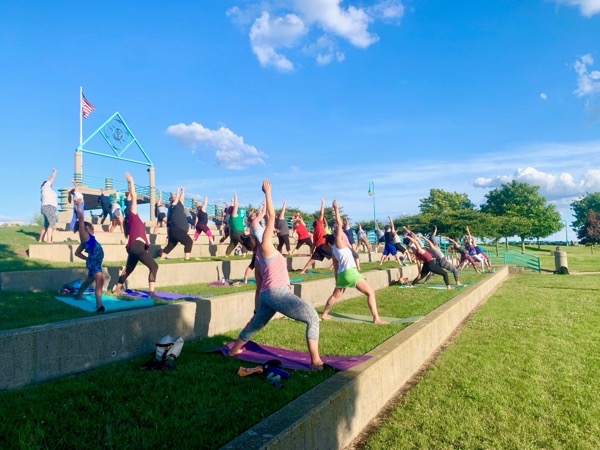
x,y
57,349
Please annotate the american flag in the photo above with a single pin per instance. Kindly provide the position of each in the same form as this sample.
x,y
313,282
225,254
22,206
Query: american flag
x,y
86,107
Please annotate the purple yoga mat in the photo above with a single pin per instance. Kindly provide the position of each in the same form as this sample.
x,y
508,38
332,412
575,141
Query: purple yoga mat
x,y
165,296
290,359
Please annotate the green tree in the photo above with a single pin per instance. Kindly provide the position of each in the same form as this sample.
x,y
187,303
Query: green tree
x,y
581,208
444,202
533,217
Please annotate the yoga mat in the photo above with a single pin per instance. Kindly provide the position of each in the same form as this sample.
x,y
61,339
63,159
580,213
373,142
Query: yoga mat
x,y
290,359
327,272
164,296
345,317
434,286
88,303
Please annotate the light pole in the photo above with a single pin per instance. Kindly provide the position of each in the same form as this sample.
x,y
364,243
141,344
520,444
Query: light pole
x,y
372,194
566,232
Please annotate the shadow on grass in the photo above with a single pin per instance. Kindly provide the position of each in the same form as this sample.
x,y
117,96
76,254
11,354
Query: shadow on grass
x,y
28,233
11,261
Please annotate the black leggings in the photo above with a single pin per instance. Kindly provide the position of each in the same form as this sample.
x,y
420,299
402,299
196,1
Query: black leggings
x,y
177,236
137,252
283,240
431,266
234,241
308,241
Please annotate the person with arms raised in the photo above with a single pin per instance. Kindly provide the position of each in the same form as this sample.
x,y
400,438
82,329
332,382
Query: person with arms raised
x,y
273,291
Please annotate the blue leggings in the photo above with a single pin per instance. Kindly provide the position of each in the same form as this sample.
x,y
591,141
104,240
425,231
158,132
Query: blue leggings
x,y
282,300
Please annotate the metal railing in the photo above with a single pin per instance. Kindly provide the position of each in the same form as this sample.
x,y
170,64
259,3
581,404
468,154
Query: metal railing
x,y
517,258
143,192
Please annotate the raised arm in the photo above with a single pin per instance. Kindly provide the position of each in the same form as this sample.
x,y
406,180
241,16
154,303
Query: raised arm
x,y
205,203
266,246
429,242
417,244
261,212
339,227
322,210
392,225
282,212
131,192
51,177
84,236
452,240
234,202
469,233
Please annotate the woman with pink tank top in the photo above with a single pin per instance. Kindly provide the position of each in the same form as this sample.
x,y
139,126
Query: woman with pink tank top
x,y
273,291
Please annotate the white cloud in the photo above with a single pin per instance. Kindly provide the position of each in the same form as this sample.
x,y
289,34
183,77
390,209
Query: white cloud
x,y
543,96
587,7
269,34
324,50
231,152
351,23
588,82
390,10
281,24
552,186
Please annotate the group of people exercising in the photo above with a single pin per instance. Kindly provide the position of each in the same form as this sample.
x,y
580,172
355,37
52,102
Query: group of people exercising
x,y
268,262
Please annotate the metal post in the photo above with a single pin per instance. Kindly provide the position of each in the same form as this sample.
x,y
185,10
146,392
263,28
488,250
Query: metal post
x,y
372,194
566,232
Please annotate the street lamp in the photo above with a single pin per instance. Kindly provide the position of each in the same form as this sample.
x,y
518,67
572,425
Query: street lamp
x,y
566,232
372,194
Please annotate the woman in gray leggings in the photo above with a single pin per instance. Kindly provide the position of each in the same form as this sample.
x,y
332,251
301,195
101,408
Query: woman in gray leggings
x,y
273,290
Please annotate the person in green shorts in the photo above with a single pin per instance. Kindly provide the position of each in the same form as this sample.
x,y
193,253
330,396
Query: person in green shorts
x,y
347,275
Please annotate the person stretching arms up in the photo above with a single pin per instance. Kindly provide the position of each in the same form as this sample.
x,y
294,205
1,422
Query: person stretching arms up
x,y
273,291
137,244
347,275
429,265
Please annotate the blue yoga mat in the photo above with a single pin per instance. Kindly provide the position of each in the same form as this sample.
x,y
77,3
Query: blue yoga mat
x,y
88,303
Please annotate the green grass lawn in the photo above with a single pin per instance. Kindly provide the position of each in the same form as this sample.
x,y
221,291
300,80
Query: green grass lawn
x,y
522,374
201,404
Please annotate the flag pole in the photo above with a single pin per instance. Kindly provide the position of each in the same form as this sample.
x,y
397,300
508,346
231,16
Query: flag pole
x,y
80,115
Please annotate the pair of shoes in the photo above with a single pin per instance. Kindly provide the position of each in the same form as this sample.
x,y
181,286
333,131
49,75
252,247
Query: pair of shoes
x,y
100,310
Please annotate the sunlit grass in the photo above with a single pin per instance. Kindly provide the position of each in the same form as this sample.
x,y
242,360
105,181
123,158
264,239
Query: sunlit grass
x,y
522,374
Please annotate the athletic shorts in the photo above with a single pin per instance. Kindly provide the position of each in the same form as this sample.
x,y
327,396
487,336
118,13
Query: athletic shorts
x,y
348,278
389,249
323,251
50,216
401,248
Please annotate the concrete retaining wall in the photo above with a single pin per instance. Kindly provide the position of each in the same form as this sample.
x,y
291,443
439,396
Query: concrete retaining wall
x,y
44,352
331,415
62,348
175,274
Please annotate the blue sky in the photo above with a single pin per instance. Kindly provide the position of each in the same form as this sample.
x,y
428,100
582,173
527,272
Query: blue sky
x,y
319,96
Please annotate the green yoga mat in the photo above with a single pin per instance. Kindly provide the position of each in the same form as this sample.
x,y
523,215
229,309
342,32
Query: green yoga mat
x,y
88,303
433,286
345,317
